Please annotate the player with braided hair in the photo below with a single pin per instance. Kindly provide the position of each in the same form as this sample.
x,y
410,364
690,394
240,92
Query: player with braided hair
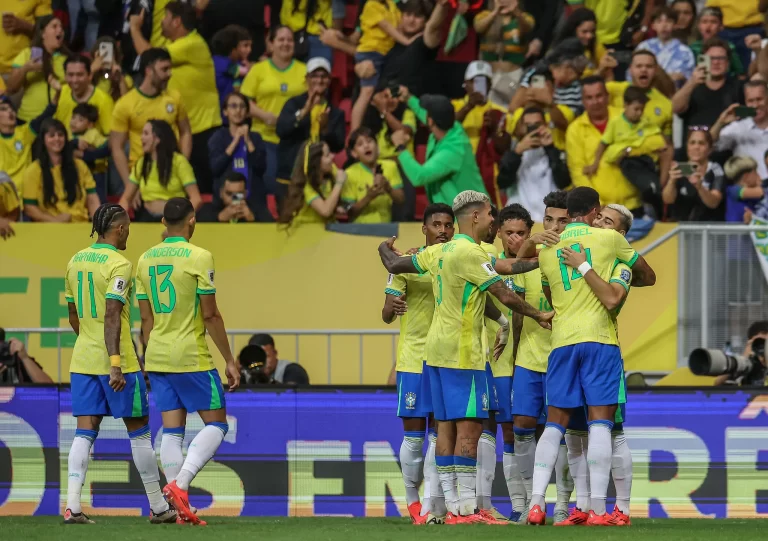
x,y
105,375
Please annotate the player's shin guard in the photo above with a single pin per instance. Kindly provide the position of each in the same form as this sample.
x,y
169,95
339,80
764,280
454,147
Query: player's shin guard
x,y
544,461
486,468
171,455
599,460
466,484
525,452
577,463
514,481
431,479
563,479
621,469
200,451
447,474
79,454
146,462
411,461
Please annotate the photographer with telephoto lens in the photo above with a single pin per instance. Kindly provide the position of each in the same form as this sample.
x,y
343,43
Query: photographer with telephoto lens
x,y
746,370
16,366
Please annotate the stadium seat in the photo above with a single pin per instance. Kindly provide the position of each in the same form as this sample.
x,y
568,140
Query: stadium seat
x,y
272,205
206,197
341,159
351,18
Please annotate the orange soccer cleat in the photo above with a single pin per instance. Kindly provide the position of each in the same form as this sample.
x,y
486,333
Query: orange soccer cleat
x,y
452,519
620,518
179,499
487,517
577,517
537,517
601,520
414,510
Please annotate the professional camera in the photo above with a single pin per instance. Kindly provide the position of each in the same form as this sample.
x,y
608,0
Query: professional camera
x,y
6,357
713,362
253,362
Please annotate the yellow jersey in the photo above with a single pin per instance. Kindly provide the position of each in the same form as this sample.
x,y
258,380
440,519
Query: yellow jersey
x,y
308,215
37,93
505,364
9,198
491,327
737,14
16,152
150,187
473,122
13,44
270,87
534,347
579,315
96,139
293,15
611,17
658,110
157,39
558,135
414,324
194,78
32,191
622,133
171,276
105,85
383,138
94,275
461,272
359,179
135,109
374,39
102,101
622,274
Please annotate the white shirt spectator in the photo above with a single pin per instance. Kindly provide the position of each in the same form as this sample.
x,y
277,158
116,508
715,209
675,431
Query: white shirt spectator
x,y
534,182
745,138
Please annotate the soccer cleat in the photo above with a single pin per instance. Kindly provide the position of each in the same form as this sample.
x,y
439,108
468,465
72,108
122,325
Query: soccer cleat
x,y
601,520
433,520
414,510
576,518
166,517
452,519
76,518
620,518
497,515
486,517
537,517
179,499
515,517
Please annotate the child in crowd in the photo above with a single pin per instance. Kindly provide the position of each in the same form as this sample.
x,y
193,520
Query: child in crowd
x,y
230,47
673,56
89,141
372,184
745,192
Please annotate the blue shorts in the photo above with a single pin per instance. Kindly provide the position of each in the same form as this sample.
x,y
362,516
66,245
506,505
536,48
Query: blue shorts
x,y
589,372
578,421
529,391
504,390
493,395
92,395
378,63
458,394
191,391
411,400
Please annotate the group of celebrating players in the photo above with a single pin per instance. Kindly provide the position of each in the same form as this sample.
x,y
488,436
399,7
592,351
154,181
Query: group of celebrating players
x,y
564,408
177,300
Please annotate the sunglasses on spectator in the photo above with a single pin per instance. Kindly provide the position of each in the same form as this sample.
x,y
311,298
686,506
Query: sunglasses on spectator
x,y
698,128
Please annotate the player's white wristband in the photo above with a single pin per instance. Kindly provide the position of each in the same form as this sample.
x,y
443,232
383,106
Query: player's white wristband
x,y
584,268
502,321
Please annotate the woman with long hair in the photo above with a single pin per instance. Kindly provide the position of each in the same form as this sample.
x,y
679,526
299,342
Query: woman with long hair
x,y
108,76
315,188
160,174
582,25
35,66
57,187
686,20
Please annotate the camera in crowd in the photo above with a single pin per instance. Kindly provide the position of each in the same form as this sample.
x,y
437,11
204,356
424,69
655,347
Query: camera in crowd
x,y
7,358
714,362
253,362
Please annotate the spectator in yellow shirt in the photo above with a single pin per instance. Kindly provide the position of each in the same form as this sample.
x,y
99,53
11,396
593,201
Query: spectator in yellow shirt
x,y
108,76
306,19
10,204
36,65
57,187
582,25
77,73
92,146
16,140
18,27
385,116
372,185
162,173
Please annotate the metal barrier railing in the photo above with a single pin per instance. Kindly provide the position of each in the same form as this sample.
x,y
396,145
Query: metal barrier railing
x,y
232,333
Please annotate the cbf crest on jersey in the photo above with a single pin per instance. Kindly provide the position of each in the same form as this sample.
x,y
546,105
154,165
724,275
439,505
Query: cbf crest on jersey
x,y
625,275
169,108
284,88
486,403
19,146
410,401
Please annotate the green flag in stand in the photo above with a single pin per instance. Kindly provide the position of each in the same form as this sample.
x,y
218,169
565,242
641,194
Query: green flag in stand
x,y
457,32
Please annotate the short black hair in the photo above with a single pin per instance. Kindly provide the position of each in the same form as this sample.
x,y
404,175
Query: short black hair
x,y
515,211
234,176
533,110
252,356
228,38
716,42
645,52
186,12
634,94
104,216
362,131
261,339
438,208
77,58
494,211
592,80
556,200
756,84
177,209
758,327
151,56
419,8
294,374
664,11
87,111
581,201
439,109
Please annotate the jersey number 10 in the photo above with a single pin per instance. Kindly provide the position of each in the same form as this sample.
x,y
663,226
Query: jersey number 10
x,y
565,270
163,272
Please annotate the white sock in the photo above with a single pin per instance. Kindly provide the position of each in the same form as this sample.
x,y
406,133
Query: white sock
x,y
486,469
563,479
514,481
434,500
146,462
621,469
525,452
171,455
544,462
79,454
577,464
447,474
599,461
411,461
200,451
466,484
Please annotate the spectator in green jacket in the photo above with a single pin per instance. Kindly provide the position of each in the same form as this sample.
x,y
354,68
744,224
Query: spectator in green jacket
x,y
450,166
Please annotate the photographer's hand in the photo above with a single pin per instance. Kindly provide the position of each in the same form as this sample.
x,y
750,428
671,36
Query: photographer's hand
x,y
36,374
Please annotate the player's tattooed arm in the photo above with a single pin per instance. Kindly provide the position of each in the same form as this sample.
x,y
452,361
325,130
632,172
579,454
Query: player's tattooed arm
x,y
642,273
392,259
74,321
511,300
492,311
112,341
528,248
516,266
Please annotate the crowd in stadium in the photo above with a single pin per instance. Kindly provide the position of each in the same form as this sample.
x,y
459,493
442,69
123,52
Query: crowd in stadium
x,y
331,110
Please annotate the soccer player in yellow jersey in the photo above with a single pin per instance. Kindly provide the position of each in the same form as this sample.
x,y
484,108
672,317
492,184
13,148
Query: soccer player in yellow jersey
x,y
612,295
414,404
105,374
177,300
585,364
457,348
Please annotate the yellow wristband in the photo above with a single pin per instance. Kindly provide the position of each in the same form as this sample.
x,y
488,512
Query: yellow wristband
x,y
114,361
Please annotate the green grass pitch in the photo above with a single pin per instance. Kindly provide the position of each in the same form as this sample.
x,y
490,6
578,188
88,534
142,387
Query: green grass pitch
x,y
369,529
